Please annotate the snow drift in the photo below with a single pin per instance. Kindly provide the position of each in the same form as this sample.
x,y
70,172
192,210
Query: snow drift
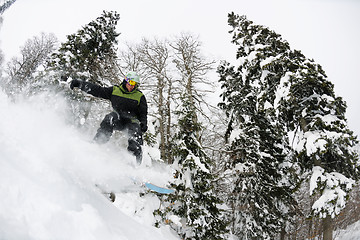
x,y
50,176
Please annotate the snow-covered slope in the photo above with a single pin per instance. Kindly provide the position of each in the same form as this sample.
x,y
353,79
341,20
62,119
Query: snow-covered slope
x,y
352,232
50,176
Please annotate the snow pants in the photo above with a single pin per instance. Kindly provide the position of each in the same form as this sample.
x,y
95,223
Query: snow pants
x,y
114,121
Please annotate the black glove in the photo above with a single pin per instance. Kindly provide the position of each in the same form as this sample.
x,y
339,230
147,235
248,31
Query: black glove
x,y
143,127
75,83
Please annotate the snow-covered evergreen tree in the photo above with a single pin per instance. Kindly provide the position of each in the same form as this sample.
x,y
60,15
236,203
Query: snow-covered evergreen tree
x,y
279,102
194,208
90,55
257,162
323,145
91,52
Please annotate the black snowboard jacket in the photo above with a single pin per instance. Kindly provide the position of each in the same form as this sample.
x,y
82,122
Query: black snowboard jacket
x,y
130,105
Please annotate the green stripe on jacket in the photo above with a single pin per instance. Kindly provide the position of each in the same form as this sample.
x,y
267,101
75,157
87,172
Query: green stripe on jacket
x,y
135,95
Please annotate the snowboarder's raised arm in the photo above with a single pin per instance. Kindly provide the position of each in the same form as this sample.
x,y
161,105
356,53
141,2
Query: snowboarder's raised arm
x,y
93,89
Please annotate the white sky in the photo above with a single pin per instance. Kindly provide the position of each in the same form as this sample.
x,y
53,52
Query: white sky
x,y
326,30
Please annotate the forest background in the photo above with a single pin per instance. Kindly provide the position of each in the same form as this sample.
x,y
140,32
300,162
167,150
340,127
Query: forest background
x,y
272,87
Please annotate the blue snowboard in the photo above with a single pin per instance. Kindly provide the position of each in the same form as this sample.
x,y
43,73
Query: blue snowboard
x,y
157,189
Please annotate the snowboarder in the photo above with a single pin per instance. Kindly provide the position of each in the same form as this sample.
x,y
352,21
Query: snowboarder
x,y
130,111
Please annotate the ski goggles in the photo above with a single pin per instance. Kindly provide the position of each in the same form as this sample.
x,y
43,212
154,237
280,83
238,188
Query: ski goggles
x,y
130,81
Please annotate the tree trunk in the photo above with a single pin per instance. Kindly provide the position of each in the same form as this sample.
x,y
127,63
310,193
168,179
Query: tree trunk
x,y
168,127
162,118
327,228
282,233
